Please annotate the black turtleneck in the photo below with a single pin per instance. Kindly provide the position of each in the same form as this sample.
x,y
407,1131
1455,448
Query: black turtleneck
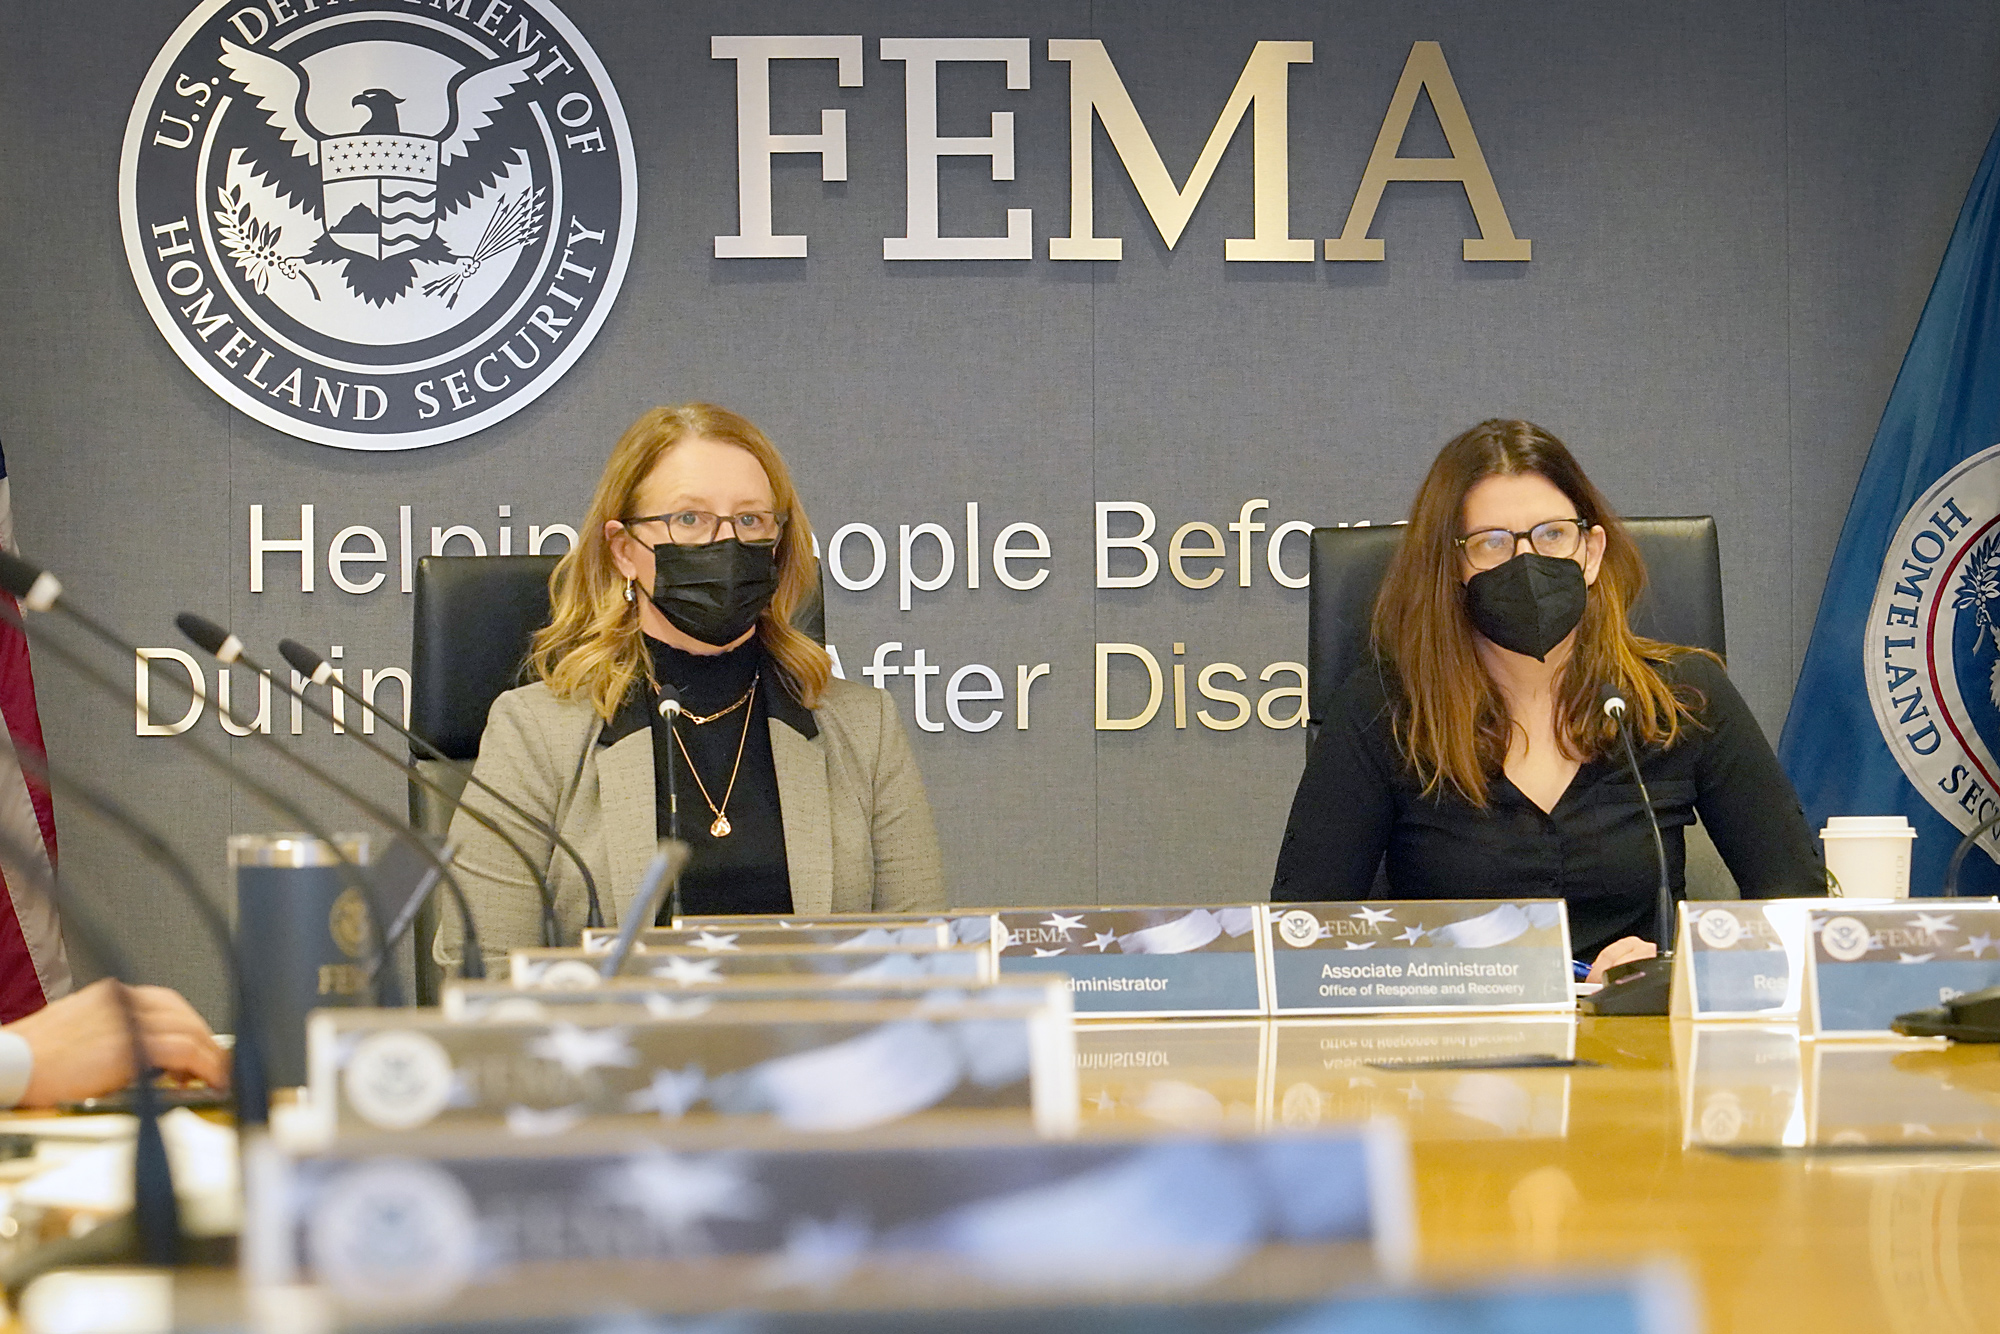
x,y
744,872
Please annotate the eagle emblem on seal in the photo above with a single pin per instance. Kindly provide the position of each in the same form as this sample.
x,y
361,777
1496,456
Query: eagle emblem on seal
x,y
377,184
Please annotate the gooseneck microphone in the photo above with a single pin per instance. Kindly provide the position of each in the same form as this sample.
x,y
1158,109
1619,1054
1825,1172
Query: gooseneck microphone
x,y
1642,986
670,709
310,664
39,590
227,649
662,879
1959,853
473,964
1614,709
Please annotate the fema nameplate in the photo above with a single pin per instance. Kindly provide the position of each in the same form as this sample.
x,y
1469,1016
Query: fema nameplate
x,y
960,928
1741,960
465,1002
418,1219
1160,962
378,225
1868,965
813,1068
714,940
1439,954
566,968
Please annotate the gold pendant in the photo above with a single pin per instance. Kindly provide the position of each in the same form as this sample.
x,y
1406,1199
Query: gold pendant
x,y
721,827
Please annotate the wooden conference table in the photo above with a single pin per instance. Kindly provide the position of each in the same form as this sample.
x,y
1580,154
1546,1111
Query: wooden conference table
x,y
1798,1188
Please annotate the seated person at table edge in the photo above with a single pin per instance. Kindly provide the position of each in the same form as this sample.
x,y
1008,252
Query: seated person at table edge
x,y
1473,751
798,791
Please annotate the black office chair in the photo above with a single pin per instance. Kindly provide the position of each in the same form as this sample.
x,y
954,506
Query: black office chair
x,y
1682,604
472,622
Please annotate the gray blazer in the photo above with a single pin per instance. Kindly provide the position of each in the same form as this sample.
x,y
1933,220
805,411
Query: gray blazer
x,y
858,831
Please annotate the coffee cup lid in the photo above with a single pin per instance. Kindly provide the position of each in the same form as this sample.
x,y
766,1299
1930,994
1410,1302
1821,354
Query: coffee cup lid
x,y
1866,825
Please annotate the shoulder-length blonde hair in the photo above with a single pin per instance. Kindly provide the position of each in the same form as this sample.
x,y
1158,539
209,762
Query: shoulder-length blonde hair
x,y
1450,721
592,648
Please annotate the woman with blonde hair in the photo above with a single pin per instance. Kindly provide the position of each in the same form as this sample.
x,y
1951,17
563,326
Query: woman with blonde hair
x,y
798,791
1472,752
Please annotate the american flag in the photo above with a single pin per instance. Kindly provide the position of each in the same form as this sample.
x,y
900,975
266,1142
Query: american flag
x,y
34,969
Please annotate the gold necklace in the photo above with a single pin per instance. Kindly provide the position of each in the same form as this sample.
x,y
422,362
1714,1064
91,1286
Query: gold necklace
x,y
697,719
721,828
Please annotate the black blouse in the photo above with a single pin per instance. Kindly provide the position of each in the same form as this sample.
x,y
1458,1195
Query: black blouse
x,y
1359,801
744,871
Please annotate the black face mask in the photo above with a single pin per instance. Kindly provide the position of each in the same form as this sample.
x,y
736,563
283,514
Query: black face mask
x,y
715,591
1529,604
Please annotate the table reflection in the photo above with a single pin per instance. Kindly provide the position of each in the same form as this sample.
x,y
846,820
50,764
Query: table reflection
x,y
1334,1070
1187,1075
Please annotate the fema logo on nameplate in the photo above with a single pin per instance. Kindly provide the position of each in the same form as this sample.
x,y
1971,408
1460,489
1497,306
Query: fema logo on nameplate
x,y
1448,954
1868,965
1931,651
1141,962
381,225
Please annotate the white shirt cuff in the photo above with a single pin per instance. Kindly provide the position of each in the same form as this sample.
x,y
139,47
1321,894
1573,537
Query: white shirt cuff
x,y
17,1067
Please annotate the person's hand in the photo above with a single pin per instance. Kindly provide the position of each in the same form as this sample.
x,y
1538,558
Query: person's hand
x,y
1622,950
83,1046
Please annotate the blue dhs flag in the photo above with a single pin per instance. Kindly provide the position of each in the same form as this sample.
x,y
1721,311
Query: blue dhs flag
x,y
1897,709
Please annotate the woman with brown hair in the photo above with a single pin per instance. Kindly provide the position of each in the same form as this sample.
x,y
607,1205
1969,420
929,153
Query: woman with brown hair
x,y
798,791
1473,752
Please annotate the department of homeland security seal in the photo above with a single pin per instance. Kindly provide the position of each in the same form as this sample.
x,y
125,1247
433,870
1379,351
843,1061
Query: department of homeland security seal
x,y
378,224
1931,649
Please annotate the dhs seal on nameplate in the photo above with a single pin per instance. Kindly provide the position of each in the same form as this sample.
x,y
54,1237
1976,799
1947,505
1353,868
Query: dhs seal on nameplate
x,y
1931,648
378,224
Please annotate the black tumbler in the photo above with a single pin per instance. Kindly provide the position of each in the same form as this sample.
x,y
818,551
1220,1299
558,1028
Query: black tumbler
x,y
302,935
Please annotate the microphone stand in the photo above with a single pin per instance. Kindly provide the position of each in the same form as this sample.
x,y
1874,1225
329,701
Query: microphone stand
x,y
670,709
1644,985
1958,855
227,649
310,663
662,878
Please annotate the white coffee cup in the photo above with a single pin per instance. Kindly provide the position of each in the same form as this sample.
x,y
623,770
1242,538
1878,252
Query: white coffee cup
x,y
1868,855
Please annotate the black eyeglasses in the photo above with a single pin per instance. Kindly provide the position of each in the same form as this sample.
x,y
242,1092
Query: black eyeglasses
x,y
693,528
1490,548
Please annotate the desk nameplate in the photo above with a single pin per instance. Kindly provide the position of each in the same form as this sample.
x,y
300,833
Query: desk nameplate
x,y
723,939
663,998
576,968
1128,963
961,928
812,1067
1418,956
1866,965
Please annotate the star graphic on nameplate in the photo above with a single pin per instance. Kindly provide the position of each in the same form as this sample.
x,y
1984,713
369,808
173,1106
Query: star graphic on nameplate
x,y
1104,1102
711,942
671,1093
816,1254
687,972
1411,935
1359,944
1932,923
1976,946
1048,954
581,1050
678,1193
1101,941
1371,916
1914,958
1058,922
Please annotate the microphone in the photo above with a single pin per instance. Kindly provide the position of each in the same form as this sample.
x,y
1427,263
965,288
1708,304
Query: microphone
x,y
662,877
1958,854
39,590
1639,987
227,648
309,663
670,709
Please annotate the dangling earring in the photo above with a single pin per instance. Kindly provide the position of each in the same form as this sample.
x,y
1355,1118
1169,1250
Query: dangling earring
x,y
628,592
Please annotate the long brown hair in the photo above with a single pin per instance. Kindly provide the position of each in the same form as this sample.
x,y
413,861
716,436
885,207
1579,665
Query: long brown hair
x,y
1449,718
592,648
